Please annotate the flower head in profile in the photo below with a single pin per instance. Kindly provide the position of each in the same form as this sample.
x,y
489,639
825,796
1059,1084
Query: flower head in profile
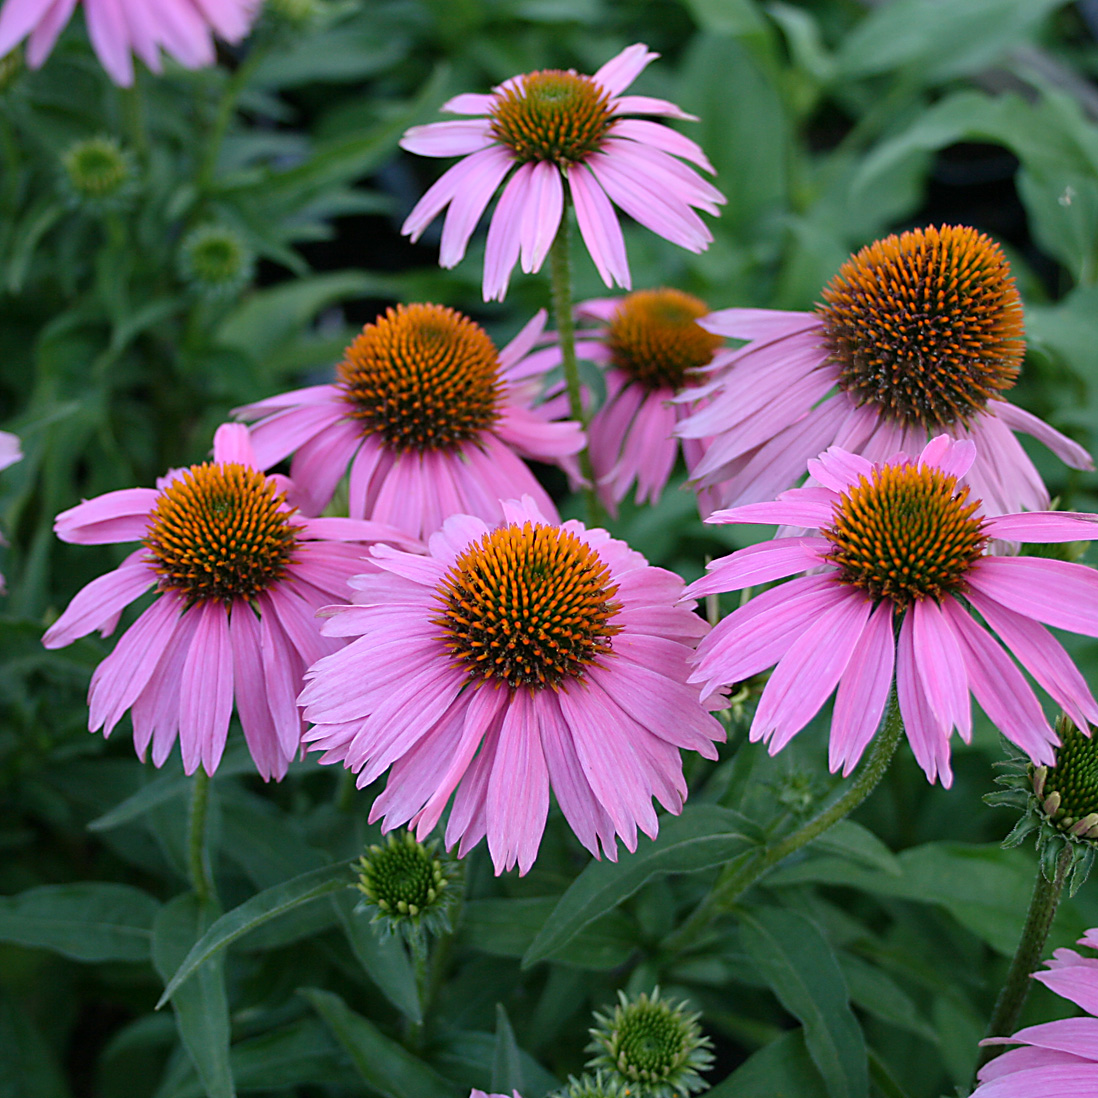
x,y
508,661
9,455
429,417
238,578
559,130
918,334
182,28
901,543
1057,1059
649,344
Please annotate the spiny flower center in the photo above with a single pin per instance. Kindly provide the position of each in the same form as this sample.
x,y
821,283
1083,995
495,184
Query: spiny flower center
x,y
527,605
907,533
221,531
926,325
551,115
1070,788
654,337
424,377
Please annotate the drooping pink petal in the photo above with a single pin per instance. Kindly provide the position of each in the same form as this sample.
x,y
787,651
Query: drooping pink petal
x,y
112,517
448,138
598,224
1066,449
206,690
941,667
1055,592
541,217
762,563
101,600
505,233
1043,527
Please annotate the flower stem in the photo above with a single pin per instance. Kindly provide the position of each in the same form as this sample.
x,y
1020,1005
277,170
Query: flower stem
x,y
1042,911
234,87
560,276
418,947
736,879
197,860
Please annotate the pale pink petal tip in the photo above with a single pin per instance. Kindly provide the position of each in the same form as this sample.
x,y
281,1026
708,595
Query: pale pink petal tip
x,y
1057,1059
119,30
603,744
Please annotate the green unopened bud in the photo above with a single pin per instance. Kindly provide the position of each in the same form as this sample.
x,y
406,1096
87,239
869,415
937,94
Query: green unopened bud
x,y
597,1085
408,884
653,1044
99,173
216,261
1059,802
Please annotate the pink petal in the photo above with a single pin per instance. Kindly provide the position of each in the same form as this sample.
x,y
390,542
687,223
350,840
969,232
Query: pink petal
x,y
251,695
599,227
1055,592
621,70
929,740
759,324
450,183
448,138
1018,419
116,516
544,205
206,689
232,444
468,203
941,667
505,233
101,601
762,563
1041,527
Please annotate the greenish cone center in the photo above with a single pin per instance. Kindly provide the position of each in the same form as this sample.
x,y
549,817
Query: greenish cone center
x,y
1069,790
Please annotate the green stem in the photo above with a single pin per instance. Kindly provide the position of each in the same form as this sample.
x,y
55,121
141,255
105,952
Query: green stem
x,y
417,944
234,87
1042,910
197,860
560,276
737,879
133,114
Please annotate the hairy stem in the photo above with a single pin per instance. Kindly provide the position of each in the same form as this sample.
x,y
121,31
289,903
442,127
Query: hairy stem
x,y
737,879
560,276
197,858
1042,911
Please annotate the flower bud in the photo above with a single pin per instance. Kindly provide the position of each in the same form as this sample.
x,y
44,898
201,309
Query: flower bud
x,y
652,1044
99,173
215,261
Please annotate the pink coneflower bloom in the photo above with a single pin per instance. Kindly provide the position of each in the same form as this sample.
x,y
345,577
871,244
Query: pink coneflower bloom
x,y
919,334
649,344
562,128
1059,1059
900,543
429,417
117,28
239,577
505,662
9,455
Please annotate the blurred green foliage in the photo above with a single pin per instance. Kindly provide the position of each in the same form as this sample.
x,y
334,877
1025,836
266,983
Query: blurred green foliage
x,y
830,122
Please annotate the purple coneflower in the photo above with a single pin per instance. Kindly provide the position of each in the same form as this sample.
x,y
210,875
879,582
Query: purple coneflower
x,y
919,334
901,543
562,128
1058,1059
505,662
429,417
649,344
117,28
239,578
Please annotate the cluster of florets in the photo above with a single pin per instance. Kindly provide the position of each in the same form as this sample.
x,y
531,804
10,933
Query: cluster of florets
x,y
1058,804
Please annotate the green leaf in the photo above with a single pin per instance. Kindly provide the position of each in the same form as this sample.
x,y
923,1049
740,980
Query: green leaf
x,y
877,993
87,921
730,17
798,963
859,844
781,1069
383,957
985,888
704,836
938,39
202,1007
384,1064
261,908
467,1056
507,1059
28,1066
506,928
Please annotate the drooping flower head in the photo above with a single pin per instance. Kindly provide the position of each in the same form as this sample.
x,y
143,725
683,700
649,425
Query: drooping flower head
x,y
239,577
649,344
919,334
901,543
182,28
508,661
429,417
1057,1059
9,455
652,1044
561,129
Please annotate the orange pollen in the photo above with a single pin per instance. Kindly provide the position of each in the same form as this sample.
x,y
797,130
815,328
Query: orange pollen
x,y
424,377
221,531
927,325
906,533
529,606
654,337
551,115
